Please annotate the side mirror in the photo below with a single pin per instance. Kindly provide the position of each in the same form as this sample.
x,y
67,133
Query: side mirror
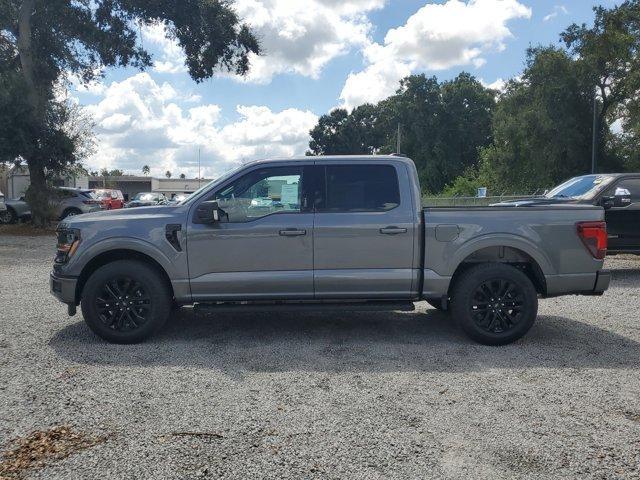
x,y
208,212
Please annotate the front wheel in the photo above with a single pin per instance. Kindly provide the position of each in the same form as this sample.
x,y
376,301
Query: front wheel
x,y
494,303
70,212
8,216
125,302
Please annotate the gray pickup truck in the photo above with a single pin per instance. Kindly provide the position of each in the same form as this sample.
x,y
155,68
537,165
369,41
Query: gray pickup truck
x,y
326,233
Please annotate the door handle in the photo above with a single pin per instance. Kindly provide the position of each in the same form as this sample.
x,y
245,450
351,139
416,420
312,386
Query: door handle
x,y
392,230
292,232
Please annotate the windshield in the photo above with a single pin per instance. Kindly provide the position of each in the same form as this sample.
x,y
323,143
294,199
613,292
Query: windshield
x,y
584,187
145,197
211,183
102,193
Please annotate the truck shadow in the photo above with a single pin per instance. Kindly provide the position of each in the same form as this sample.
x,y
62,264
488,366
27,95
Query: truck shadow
x,y
351,342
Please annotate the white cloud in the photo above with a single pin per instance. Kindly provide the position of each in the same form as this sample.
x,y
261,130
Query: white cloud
x,y
302,37
557,10
140,122
171,58
436,37
497,84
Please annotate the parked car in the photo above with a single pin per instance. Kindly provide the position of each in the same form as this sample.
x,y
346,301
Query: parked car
x,y
617,193
68,202
17,209
341,233
177,198
147,199
111,199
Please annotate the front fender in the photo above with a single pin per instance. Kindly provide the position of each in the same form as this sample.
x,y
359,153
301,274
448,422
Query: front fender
x,y
173,263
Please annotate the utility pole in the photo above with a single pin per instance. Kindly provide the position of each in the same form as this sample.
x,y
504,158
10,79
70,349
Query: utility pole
x,y
199,167
398,141
594,146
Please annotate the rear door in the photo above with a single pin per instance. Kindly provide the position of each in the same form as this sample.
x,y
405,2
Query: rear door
x,y
263,246
364,232
623,223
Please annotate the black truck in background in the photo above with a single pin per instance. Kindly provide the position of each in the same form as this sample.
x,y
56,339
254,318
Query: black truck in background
x,y
617,193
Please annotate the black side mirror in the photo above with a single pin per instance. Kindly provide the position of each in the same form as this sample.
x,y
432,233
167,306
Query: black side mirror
x,y
607,202
208,212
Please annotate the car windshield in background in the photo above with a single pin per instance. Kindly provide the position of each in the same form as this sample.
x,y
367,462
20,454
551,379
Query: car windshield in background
x,y
102,193
90,195
145,197
584,187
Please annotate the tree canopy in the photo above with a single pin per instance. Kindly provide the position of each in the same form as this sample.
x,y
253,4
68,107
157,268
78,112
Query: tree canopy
x,y
43,42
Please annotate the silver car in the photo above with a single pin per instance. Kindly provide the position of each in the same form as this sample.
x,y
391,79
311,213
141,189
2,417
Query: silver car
x,y
69,202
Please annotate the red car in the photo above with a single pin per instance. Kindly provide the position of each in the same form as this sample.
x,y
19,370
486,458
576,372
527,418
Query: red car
x,y
110,199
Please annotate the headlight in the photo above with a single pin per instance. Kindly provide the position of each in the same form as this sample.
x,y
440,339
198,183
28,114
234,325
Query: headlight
x,y
68,241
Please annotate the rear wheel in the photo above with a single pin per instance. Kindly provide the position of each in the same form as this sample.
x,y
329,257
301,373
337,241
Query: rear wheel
x,y
125,302
494,303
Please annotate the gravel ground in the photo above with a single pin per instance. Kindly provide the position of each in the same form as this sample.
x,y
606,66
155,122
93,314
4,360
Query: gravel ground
x,y
358,396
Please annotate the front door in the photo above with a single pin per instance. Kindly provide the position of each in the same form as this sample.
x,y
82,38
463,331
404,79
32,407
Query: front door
x,y
364,232
623,223
262,247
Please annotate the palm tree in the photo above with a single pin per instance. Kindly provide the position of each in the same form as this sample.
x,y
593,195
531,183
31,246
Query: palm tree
x,y
167,174
146,170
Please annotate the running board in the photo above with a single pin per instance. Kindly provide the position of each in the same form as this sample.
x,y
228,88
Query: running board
x,y
226,307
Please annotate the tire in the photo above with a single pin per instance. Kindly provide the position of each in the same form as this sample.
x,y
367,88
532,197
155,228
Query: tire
x,y
8,216
494,303
118,282
70,212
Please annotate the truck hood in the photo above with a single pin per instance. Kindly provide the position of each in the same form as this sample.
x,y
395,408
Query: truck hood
x,y
125,215
536,202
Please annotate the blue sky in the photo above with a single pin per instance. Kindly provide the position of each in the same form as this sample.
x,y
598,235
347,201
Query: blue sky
x,y
319,54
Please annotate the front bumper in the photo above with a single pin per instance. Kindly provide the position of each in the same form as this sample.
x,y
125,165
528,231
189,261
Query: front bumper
x,y
63,288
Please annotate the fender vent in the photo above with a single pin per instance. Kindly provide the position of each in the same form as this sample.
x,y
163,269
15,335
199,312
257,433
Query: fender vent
x,y
171,234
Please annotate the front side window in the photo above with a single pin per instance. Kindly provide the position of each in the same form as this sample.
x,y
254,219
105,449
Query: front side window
x,y
260,193
632,185
361,188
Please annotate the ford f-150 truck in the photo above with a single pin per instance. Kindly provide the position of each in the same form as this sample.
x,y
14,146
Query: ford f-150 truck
x,y
325,233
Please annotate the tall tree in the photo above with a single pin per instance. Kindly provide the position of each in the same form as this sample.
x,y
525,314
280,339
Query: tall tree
x,y
146,170
542,125
43,40
607,55
167,174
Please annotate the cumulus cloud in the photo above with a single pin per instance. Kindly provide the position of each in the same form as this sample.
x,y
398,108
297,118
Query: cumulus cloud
x,y
303,37
141,122
436,37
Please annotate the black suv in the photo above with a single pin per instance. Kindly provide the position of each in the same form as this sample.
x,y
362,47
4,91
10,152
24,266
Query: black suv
x,y
617,193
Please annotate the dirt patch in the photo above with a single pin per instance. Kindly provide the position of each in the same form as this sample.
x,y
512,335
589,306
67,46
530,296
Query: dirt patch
x,y
43,446
27,230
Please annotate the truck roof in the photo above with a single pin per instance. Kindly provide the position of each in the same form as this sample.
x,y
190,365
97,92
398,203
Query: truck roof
x,y
339,158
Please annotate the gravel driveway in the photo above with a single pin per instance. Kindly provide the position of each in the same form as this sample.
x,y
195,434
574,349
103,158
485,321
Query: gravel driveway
x,y
357,396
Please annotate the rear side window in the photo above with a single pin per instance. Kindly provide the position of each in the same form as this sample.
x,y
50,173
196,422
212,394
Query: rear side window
x,y
361,188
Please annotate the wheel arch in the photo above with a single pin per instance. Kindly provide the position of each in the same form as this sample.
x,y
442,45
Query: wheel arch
x,y
506,254
113,255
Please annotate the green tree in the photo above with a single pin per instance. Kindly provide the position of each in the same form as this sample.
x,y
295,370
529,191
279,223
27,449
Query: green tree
x,y
167,174
146,170
607,55
43,40
183,176
541,127
341,133
442,127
